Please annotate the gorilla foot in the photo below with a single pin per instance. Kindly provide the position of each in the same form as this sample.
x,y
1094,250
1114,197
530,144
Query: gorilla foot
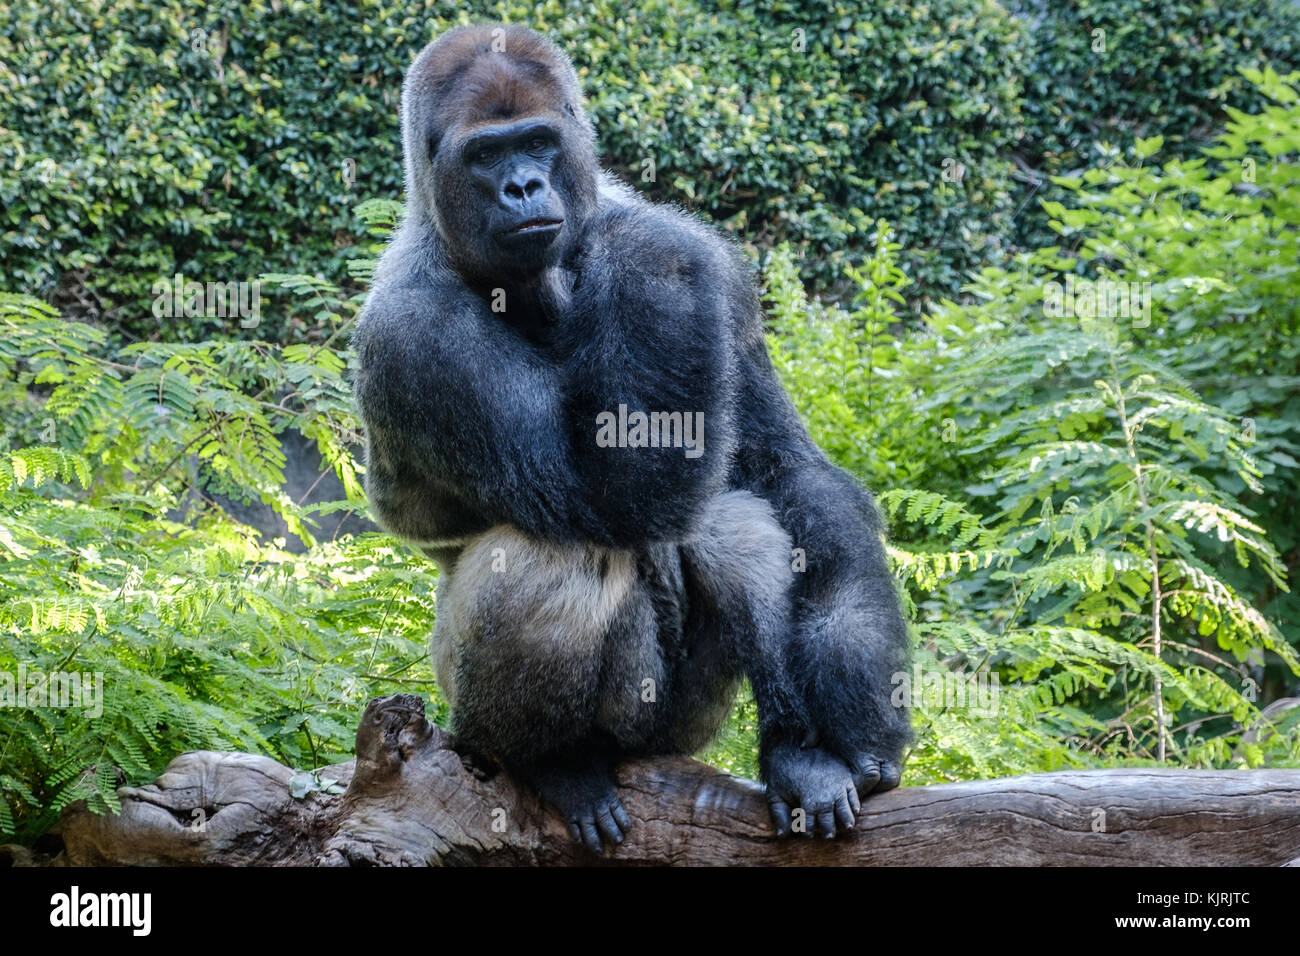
x,y
810,790
587,800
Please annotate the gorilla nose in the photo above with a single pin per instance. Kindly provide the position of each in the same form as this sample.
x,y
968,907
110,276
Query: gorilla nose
x,y
519,191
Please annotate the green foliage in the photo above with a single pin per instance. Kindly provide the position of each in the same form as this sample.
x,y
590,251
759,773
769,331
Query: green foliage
x,y
803,122
1218,239
1110,71
142,140
1118,69
198,635
1083,503
1105,507
851,375
736,748
225,140
837,356
1094,514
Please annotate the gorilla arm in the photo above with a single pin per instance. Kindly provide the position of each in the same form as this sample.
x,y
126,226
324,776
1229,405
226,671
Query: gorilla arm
x,y
848,637
665,317
648,329
465,424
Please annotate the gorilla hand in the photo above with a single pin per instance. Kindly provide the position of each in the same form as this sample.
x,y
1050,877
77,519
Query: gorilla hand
x,y
873,774
809,788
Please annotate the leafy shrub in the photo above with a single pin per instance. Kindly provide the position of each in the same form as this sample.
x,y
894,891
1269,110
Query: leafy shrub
x,y
807,121
1115,70
1118,69
201,636
1045,640
1098,512
144,140
1218,239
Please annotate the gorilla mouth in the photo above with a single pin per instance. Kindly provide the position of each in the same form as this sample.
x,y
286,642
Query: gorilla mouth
x,y
534,226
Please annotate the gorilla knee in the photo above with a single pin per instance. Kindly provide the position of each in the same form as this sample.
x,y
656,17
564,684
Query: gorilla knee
x,y
543,606
741,554
537,593
538,645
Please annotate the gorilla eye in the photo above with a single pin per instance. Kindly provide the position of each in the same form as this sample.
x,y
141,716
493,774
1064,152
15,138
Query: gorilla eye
x,y
483,155
536,144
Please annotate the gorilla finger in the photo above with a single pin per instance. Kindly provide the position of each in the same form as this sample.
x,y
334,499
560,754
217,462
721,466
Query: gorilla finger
x,y
891,772
780,816
854,803
575,831
607,827
867,775
620,816
590,835
844,812
826,824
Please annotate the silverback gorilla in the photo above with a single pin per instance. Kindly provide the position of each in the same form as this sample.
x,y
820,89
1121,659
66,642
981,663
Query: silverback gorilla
x,y
540,356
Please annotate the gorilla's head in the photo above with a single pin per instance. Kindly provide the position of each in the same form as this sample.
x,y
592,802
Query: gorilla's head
x,y
500,157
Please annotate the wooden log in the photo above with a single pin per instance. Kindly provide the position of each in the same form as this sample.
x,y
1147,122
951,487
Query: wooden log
x,y
411,800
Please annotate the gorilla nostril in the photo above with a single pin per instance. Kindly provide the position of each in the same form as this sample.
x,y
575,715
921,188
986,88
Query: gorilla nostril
x,y
520,192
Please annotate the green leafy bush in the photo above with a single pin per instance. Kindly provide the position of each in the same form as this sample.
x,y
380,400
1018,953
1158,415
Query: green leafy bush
x,y
144,140
805,122
198,635
1119,69
1086,619
1097,509
1218,239
1115,70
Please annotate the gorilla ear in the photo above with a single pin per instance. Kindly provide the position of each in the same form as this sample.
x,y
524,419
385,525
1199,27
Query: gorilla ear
x,y
568,108
433,142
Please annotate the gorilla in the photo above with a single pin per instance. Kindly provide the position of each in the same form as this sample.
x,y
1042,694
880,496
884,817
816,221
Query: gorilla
x,y
539,358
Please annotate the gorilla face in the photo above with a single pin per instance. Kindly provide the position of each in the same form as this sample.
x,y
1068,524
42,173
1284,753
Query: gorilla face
x,y
501,158
512,166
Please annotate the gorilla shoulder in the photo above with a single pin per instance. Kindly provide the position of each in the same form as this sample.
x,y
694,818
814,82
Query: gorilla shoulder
x,y
628,232
651,249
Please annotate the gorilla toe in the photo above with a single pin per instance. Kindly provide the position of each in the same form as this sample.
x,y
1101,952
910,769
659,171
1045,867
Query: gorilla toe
x,y
872,774
587,800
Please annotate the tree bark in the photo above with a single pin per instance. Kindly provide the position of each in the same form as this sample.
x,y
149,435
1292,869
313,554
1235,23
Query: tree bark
x,y
411,800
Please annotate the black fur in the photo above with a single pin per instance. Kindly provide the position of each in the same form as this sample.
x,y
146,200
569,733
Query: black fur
x,y
599,602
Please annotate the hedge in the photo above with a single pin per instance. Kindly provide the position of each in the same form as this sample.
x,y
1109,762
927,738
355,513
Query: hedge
x,y
1114,70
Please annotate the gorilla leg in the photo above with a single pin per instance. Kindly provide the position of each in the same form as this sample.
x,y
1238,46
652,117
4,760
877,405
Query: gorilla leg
x,y
738,581
542,650
561,659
